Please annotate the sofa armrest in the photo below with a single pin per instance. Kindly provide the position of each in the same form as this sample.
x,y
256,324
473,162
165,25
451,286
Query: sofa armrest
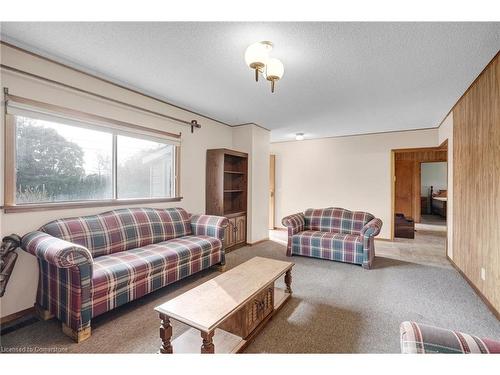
x,y
60,253
209,225
372,228
295,223
419,338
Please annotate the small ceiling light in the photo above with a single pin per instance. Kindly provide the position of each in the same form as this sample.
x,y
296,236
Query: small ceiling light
x,y
299,136
256,56
274,71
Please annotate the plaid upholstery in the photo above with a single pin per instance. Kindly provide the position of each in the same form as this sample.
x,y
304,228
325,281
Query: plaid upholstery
x,y
210,225
120,230
123,277
336,220
327,245
295,224
422,339
59,253
368,232
333,233
372,228
64,281
131,252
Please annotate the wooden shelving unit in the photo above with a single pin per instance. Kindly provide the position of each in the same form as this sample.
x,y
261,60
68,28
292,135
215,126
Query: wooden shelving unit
x,y
234,172
227,191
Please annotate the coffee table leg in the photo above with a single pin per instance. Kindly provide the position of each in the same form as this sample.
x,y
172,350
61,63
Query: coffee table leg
x,y
165,335
208,346
288,281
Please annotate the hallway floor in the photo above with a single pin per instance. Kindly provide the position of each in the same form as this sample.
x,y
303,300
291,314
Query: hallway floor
x,y
431,223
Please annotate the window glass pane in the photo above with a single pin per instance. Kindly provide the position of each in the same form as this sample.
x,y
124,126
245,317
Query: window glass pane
x,y
59,162
144,168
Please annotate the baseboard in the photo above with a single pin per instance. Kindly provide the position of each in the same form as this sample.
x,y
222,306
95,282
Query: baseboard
x,y
258,242
478,292
17,315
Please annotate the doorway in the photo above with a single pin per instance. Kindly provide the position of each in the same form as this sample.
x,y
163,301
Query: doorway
x,y
272,193
419,191
434,196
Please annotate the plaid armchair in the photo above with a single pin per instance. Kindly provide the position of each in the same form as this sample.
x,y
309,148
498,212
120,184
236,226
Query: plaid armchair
x,y
92,264
334,234
419,338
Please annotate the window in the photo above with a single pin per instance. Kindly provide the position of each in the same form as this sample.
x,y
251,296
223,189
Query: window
x,y
144,168
58,160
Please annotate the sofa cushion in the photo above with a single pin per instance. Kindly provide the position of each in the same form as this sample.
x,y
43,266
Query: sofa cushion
x,y
123,229
336,220
327,245
122,277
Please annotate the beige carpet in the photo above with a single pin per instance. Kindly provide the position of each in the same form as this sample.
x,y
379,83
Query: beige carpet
x,y
336,308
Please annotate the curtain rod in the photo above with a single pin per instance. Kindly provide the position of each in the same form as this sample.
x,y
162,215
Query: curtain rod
x,y
193,123
81,115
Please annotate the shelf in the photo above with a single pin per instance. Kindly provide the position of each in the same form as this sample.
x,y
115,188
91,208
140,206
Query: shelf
x,y
234,172
234,213
227,188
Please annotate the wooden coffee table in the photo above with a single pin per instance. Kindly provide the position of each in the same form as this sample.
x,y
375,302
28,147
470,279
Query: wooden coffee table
x,y
227,311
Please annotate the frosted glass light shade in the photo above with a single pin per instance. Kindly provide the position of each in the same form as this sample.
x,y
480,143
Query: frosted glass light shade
x,y
257,54
274,69
299,136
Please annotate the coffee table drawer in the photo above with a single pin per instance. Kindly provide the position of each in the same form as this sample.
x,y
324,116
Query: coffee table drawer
x,y
246,319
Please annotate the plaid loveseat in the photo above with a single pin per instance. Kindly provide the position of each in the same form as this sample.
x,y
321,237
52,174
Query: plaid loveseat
x,y
333,233
419,338
93,264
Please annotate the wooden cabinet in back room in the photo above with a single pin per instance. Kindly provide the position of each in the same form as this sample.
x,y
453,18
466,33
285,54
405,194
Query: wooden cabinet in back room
x,y
227,191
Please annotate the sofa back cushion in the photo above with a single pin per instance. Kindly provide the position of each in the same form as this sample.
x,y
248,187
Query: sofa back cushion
x,y
123,229
336,220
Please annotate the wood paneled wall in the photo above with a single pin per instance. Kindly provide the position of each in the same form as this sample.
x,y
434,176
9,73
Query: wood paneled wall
x,y
476,183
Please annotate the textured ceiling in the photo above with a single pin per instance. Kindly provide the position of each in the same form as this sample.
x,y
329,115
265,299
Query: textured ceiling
x,y
340,78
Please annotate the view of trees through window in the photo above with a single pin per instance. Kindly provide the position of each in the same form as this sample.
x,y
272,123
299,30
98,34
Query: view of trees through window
x,y
58,162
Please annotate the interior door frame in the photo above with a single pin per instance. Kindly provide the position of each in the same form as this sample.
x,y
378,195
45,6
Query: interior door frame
x,y
443,146
272,192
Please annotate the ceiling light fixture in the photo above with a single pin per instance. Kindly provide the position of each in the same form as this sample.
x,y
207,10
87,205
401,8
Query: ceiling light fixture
x,y
299,136
257,58
274,71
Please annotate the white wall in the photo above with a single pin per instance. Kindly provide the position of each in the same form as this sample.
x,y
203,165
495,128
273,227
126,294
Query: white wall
x,y
433,174
350,172
21,290
260,184
446,133
255,141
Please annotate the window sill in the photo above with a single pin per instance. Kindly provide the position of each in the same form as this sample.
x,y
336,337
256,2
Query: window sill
x,y
84,204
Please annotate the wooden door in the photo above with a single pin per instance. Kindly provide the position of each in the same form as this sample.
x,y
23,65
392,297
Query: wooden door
x,y
272,166
241,229
404,184
229,234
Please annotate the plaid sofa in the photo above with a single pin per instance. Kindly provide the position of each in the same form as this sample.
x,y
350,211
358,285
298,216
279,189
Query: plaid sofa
x,y
93,264
422,339
333,233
